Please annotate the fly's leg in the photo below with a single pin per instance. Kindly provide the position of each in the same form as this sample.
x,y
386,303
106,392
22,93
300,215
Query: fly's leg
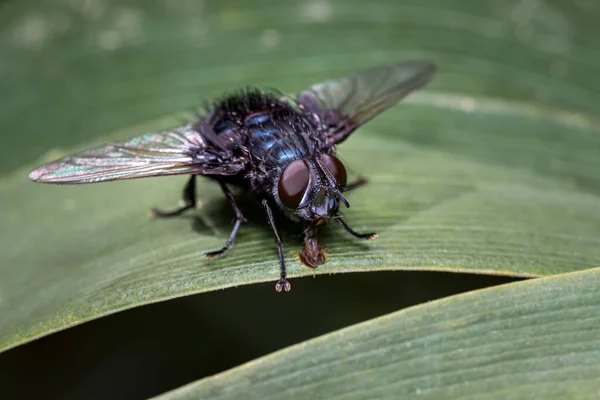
x,y
282,284
239,218
189,201
368,236
360,181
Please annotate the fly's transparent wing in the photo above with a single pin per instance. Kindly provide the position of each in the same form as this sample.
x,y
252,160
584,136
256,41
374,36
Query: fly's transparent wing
x,y
341,105
174,152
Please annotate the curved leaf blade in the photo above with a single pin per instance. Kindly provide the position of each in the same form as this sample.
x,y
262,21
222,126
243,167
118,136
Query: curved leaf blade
x,y
82,252
493,172
532,339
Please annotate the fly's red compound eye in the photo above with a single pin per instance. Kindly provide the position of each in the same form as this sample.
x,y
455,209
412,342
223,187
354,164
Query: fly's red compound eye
x,y
293,183
337,169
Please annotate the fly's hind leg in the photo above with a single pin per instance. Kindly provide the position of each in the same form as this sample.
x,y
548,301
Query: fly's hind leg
x,y
239,218
189,201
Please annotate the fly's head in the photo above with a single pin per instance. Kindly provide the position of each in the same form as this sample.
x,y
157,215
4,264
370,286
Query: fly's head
x,y
311,188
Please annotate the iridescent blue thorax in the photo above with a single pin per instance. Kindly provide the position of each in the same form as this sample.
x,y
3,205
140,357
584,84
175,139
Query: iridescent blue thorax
x,y
271,130
271,133
275,142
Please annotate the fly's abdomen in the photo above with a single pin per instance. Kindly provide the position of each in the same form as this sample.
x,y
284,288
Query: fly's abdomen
x,y
274,141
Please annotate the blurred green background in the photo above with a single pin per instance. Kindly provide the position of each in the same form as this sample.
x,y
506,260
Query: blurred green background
x,y
73,71
68,65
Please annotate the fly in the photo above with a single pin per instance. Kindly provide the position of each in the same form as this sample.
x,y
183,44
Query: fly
x,y
281,149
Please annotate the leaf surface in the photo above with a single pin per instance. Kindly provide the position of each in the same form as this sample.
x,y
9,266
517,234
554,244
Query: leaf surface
x,y
492,169
533,339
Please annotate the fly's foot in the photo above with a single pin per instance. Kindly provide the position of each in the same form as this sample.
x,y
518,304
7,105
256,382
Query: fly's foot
x,y
213,254
369,236
283,284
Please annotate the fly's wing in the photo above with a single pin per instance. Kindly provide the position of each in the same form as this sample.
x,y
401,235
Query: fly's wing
x,y
341,105
174,152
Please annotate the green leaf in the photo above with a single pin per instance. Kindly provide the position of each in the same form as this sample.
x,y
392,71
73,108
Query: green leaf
x,y
491,169
533,339
85,251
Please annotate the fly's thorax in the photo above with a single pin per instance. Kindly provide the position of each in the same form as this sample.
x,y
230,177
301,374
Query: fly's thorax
x,y
310,188
275,139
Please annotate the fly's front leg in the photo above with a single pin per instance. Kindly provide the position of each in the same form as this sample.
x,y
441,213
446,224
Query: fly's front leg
x,y
189,201
239,218
360,181
367,236
282,284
